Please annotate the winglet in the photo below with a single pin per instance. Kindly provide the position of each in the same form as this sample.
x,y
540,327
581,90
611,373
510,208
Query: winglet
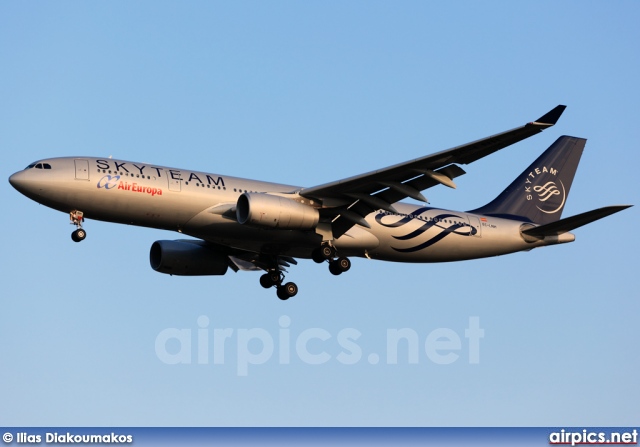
x,y
551,117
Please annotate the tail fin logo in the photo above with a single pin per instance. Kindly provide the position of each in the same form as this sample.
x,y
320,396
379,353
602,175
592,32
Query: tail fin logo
x,y
550,190
545,192
549,193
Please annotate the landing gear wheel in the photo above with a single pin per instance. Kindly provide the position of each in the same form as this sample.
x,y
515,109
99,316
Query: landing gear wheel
x,y
265,281
287,291
77,217
317,256
327,251
275,277
339,265
343,263
323,253
78,235
334,268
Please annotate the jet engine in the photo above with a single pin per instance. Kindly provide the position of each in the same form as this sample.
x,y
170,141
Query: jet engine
x,y
269,211
186,258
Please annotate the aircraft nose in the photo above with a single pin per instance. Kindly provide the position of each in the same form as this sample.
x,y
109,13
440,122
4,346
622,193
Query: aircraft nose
x,y
17,180
20,181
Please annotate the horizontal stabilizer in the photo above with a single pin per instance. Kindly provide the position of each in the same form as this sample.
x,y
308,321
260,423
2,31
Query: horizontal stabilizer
x,y
573,222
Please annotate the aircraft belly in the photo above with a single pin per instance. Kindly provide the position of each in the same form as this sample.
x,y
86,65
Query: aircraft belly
x,y
219,229
170,215
356,242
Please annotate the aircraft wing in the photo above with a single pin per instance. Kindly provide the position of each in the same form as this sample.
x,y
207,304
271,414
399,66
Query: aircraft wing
x,y
346,202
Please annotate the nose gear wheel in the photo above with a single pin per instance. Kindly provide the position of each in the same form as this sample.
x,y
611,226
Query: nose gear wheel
x,y
77,217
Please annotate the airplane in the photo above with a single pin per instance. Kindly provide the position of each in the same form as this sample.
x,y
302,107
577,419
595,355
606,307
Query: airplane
x,y
242,224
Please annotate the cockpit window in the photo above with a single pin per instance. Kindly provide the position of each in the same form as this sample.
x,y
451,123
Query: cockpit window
x,y
39,166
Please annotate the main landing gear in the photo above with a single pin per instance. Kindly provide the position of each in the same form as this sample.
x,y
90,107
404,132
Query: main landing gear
x,y
274,267
275,278
326,252
77,219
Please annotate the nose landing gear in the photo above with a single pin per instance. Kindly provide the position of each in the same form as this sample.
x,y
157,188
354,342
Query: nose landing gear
x,y
77,219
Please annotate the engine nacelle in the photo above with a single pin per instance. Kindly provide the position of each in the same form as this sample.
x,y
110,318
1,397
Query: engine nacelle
x,y
266,210
186,258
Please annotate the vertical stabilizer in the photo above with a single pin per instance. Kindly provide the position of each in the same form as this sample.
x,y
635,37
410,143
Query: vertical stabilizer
x,y
540,192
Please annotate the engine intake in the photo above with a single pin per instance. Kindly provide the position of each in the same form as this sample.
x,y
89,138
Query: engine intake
x,y
186,258
265,210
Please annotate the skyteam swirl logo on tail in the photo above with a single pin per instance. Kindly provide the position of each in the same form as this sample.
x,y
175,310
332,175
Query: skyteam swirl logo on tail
x,y
442,225
548,191
545,192
549,195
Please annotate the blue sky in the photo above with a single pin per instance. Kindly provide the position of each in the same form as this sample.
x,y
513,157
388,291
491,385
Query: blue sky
x,y
306,93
